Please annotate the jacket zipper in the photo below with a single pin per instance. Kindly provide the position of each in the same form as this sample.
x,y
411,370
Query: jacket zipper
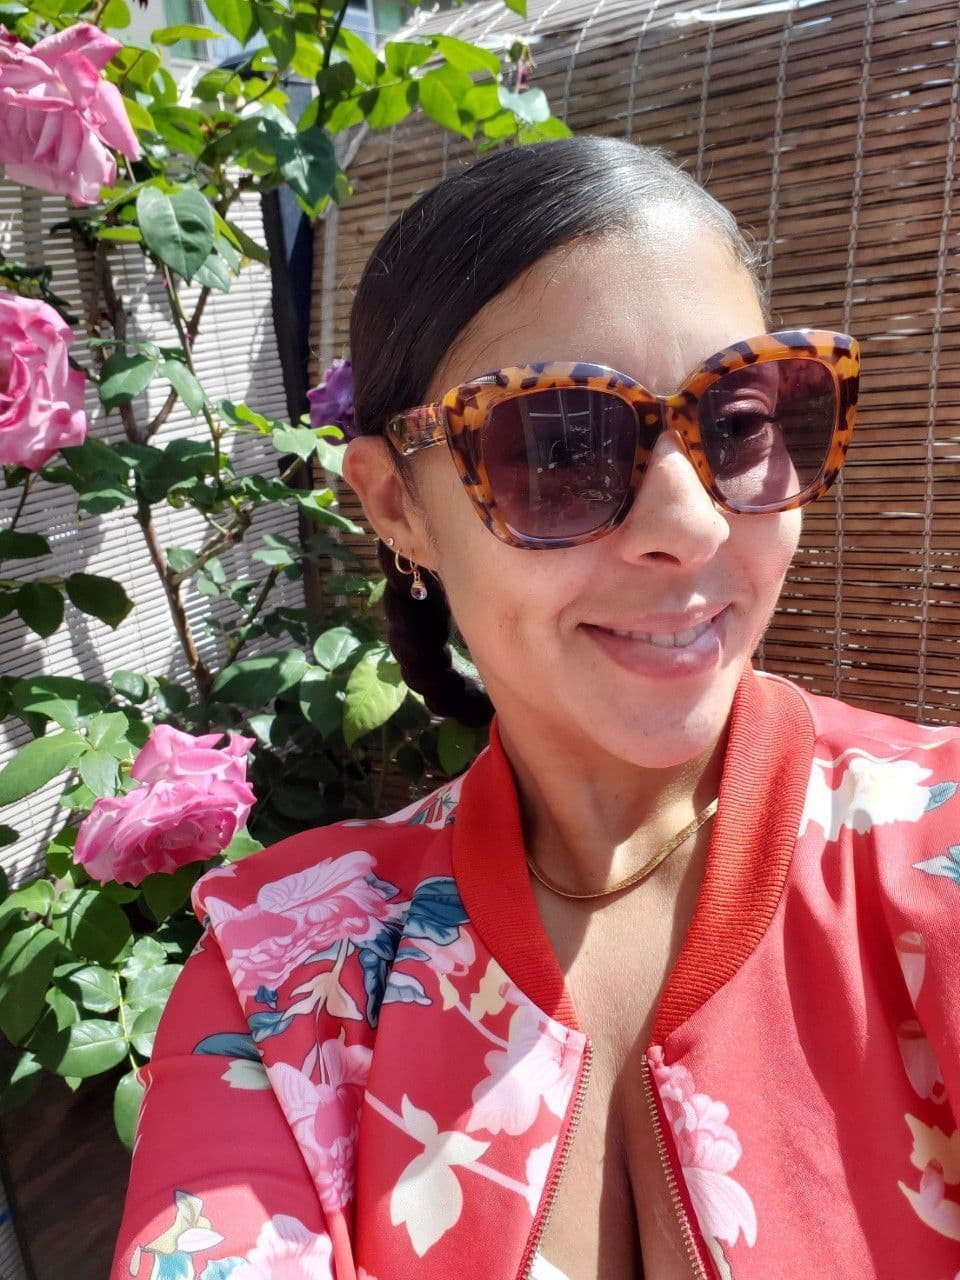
x,y
697,1267
526,1266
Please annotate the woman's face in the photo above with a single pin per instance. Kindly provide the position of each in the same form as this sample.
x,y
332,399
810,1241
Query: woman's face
x,y
538,623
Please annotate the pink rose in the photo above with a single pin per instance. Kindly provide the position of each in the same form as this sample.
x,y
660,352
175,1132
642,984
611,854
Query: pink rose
x,y
41,397
58,117
179,814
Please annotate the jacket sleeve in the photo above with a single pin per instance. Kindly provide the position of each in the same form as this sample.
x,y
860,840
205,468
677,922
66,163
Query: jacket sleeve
x,y
218,1184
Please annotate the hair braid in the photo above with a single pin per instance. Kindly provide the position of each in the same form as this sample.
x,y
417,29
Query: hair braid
x,y
418,632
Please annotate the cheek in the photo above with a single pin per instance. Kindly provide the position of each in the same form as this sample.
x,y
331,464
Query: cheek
x,y
775,544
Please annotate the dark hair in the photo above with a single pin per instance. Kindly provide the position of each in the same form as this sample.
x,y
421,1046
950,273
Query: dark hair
x,y
448,254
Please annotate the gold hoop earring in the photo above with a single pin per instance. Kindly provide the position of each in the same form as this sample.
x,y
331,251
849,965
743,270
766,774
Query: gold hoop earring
x,y
417,590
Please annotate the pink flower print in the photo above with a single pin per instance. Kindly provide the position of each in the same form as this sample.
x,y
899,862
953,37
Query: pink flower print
x,y
919,1062
532,1069
297,916
931,1204
707,1149
912,954
287,1250
324,1116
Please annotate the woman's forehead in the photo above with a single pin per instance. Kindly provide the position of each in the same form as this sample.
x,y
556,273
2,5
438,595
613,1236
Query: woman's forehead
x,y
651,303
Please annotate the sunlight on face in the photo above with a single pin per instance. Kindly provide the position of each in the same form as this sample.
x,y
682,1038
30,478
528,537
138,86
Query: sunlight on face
x,y
652,305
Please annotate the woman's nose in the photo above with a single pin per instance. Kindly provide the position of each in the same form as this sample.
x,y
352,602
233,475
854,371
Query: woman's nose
x,y
673,516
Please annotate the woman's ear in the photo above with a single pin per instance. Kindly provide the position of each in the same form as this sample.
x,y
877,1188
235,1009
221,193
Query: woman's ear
x,y
370,471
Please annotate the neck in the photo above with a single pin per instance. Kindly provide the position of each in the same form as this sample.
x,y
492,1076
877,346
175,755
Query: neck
x,y
589,821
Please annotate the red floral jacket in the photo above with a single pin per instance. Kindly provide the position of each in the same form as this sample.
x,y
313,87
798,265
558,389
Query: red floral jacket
x,y
370,1068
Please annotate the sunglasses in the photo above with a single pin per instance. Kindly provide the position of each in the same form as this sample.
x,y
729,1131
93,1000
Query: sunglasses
x,y
552,454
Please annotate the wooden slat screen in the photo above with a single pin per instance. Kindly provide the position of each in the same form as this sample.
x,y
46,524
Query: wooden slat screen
x,y
829,128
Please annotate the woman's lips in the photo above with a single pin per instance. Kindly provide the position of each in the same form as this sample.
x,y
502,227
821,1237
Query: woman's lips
x,y
688,651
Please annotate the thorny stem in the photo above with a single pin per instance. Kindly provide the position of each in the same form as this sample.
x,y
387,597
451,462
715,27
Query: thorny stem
x,y
237,643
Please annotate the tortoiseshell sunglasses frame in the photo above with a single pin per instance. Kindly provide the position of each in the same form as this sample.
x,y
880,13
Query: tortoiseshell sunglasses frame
x,y
460,416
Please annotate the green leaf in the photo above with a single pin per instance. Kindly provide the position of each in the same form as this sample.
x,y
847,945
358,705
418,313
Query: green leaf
x,y
124,376
102,598
242,241
36,898
320,702
140,118
280,33
131,684
359,54
241,846
387,104
318,508
466,57
238,17
63,698
517,6
308,163
27,959
86,1049
402,56
151,986
147,953
375,690
126,1107
299,440
253,681
20,546
65,1011
7,836
439,101
456,746
166,892
93,987
41,607
20,1083
214,274
531,106
482,101
92,926
177,228
37,762
143,1029
100,771
334,647
545,132
185,31
106,732
184,383
115,16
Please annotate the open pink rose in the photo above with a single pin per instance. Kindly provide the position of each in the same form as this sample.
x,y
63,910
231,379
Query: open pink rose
x,y
179,814
41,397
58,116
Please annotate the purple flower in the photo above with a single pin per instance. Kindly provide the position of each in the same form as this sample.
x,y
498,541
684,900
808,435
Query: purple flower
x,y
331,402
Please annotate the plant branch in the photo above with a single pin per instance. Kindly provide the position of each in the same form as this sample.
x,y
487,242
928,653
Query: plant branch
x,y
236,644
232,536
335,31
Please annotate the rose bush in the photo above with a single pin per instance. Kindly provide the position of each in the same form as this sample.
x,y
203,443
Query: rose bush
x,y
41,397
90,949
192,802
58,116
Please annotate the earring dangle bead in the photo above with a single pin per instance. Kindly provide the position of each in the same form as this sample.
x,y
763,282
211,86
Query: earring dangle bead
x,y
417,590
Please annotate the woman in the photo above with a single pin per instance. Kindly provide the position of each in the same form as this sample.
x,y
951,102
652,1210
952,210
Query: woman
x,y
570,1016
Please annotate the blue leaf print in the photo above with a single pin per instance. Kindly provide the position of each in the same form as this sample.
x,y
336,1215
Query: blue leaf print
x,y
266,996
409,952
229,1044
263,1025
376,956
944,864
384,886
222,1269
403,989
436,911
940,793
171,1266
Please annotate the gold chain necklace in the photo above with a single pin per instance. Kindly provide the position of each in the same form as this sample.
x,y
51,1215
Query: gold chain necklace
x,y
651,865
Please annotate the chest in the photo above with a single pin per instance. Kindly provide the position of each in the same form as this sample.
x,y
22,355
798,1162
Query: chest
x,y
613,1214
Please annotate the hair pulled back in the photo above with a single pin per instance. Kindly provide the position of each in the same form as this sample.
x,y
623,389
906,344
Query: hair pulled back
x,y
449,253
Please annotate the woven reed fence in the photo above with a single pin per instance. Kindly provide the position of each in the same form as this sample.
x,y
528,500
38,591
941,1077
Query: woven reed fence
x,y
829,127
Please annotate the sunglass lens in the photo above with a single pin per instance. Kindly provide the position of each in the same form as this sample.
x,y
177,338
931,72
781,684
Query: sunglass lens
x,y
559,461
766,429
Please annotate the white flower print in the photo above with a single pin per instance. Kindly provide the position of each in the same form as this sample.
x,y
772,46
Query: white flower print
x,y
286,1248
537,1168
871,793
532,1069
428,1199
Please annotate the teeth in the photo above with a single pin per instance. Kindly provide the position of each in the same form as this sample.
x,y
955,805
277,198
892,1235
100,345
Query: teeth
x,y
676,640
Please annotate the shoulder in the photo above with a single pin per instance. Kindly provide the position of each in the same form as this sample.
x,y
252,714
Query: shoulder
x,y
401,848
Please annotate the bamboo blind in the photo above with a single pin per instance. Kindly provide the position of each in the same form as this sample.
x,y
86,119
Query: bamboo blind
x,y
829,128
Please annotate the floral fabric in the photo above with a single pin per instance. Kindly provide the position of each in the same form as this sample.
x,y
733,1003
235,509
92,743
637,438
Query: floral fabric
x,y
359,1075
